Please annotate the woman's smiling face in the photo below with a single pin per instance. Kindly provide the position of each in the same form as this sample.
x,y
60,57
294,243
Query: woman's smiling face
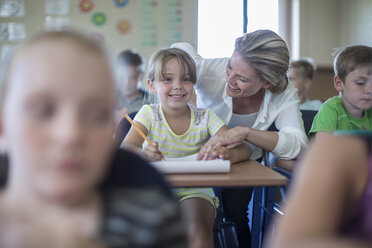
x,y
242,79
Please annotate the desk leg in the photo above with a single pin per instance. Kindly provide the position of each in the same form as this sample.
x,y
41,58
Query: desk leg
x,y
257,217
263,208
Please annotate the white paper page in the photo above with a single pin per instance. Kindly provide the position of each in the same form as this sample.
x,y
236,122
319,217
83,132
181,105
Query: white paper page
x,y
189,164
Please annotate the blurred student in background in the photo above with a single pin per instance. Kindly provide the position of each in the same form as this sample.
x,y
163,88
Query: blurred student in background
x,y
330,200
300,74
352,110
130,66
66,186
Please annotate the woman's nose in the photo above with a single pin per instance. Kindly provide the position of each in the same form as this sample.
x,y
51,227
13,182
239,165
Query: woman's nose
x,y
230,78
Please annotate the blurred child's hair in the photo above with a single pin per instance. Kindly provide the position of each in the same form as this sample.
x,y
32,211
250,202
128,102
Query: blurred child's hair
x,y
160,58
268,53
131,58
349,58
74,37
305,67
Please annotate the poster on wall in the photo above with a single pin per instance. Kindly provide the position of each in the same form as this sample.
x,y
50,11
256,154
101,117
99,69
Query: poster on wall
x,y
6,51
57,7
12,31
56,22
12,8
149,20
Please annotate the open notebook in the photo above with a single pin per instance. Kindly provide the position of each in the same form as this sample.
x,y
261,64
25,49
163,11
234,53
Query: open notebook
x,y
189,164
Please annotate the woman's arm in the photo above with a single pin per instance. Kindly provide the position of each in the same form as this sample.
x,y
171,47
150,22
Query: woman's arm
x,y
330,178
234,153
235,136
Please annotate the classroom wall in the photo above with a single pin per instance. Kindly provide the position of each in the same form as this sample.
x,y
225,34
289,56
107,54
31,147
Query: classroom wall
x,y
151,24
329,24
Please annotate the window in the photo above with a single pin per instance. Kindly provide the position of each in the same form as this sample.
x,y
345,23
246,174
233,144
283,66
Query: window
x,y
220,22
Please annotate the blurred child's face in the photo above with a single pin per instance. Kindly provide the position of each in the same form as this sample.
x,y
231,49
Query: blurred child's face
x,y
58,121
297,80
175,89
242,79
129,77
357,89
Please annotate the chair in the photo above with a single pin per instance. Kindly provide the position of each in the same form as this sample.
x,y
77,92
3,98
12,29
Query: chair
x,y
308,117
122,129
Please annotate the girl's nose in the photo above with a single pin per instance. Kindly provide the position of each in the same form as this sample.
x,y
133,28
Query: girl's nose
x,y
69,130
177,84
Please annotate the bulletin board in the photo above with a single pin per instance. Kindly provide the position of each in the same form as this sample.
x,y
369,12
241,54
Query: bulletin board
x,y
144,25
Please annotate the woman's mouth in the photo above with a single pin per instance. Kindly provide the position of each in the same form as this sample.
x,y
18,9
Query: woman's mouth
x,y
232,88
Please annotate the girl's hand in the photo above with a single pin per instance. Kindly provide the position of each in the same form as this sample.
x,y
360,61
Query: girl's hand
x,y
152,153
232,137
221,152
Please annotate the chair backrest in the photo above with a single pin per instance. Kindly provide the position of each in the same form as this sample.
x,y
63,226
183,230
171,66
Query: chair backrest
x,y
308,117
123,128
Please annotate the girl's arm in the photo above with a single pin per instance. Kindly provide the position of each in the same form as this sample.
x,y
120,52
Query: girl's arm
x,y
329,180
133,141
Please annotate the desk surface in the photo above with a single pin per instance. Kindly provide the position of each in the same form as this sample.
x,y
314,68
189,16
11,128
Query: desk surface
x,y
246,173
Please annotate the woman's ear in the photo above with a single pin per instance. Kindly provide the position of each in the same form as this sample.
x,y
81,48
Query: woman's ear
x,y
151,86
267,85
338,83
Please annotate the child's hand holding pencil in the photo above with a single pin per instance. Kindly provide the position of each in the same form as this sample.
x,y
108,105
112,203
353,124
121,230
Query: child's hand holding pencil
x,y
151,152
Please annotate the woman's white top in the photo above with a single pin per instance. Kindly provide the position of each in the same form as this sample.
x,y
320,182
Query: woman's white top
x,y
281,108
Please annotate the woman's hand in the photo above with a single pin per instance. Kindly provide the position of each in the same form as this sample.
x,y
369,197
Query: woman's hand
x,y
232,137
152,153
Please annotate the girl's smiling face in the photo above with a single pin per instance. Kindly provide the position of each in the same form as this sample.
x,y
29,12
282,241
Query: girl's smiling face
x,y
174,88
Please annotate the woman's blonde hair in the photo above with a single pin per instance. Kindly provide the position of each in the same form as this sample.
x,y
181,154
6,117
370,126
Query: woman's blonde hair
x,y
265,51
160,58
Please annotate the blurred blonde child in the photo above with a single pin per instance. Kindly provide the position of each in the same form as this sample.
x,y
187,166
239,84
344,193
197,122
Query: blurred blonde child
x,y
130,69
178,129
300,74
66,186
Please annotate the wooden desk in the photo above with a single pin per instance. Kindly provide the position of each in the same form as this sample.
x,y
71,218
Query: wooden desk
x,y
243,174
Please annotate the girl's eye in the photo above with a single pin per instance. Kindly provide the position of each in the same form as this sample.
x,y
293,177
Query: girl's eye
x,y
96,116
40,110
167,79
187,79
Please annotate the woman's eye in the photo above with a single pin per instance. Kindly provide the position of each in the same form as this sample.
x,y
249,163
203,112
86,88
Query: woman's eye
x,y
243,80
361,83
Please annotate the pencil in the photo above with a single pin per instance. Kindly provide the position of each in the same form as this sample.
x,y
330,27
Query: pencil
x,y
126,116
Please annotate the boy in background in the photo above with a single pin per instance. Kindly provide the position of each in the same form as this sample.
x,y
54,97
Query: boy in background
x,y
300,74
351,110
130,69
